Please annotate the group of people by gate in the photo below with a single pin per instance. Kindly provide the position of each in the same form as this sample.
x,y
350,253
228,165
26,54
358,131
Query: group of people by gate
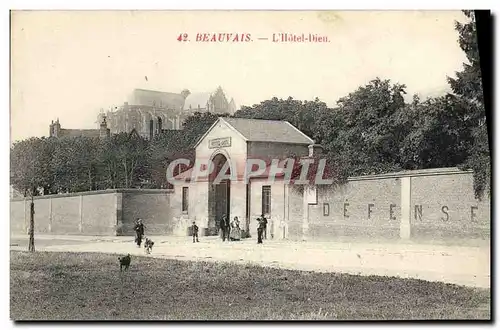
x,y
231,230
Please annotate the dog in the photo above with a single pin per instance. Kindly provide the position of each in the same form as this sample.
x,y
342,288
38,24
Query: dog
x,y
148,245
124,262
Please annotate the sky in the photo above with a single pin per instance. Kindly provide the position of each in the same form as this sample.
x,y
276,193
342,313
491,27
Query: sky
x,y
69,65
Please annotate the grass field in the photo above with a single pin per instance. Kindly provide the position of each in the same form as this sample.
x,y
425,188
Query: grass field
x,y
85,286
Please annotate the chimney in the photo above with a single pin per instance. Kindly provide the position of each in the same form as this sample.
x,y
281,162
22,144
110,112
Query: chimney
x,y
104,130
55,128
315,150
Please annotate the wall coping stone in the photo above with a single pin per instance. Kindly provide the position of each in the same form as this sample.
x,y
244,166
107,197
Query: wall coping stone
x,y
414,173
98,192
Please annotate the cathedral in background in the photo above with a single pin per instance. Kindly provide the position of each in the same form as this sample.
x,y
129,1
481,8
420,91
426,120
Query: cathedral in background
x,y
149,112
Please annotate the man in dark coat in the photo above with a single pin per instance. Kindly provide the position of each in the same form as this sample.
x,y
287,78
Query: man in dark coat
x,y
139,232
260,229
194,229
264,220
225,227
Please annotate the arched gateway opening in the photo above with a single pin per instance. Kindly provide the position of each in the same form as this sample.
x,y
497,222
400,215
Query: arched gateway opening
x,y
219,194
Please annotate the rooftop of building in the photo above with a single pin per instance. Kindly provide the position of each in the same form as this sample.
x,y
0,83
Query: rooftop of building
x,y
79,132
260,130
147,97
196,100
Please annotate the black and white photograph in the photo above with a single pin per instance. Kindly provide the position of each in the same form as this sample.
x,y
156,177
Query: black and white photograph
x,y
257,165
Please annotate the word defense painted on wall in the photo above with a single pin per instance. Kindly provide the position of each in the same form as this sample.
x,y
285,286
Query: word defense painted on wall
x,y
418,212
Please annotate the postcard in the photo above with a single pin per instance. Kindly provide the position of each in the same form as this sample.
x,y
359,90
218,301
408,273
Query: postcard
x,y
249,165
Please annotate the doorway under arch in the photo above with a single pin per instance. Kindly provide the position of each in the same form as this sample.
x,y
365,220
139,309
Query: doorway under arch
x,y
219,195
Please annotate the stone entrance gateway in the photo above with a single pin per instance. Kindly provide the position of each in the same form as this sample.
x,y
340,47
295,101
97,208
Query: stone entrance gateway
x,y
219,195
234,142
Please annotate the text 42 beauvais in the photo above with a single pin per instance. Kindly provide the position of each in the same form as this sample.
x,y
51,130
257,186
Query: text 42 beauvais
x,y
247,37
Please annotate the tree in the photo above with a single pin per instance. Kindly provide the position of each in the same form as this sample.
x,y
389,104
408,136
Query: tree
x,y
87,162
74,164
30,173
273,109
64,165
109,162
467,83
311,115
195,126
365,138
435,133
131,154
301,114
163,149
467,86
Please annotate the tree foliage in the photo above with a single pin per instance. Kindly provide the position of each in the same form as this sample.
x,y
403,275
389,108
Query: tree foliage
x,y
467,86
367,140
31,173
301,114
31,169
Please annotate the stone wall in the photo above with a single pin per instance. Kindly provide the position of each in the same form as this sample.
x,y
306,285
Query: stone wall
x,y
278,195
197,208
360,208
107,212
436,204
153,207
443,206
431,205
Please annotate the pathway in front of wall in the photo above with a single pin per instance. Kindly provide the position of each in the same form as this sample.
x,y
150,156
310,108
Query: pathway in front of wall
x,y
459,265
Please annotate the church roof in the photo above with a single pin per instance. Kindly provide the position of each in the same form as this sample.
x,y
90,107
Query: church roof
x,y
196,99
79,132
147,97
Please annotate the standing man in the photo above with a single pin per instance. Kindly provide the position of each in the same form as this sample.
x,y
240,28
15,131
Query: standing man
x,y
228,227
139,231
224,226
260,229
264,220
194,229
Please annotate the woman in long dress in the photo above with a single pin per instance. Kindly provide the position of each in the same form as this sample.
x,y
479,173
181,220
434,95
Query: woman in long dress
x,y
235,234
